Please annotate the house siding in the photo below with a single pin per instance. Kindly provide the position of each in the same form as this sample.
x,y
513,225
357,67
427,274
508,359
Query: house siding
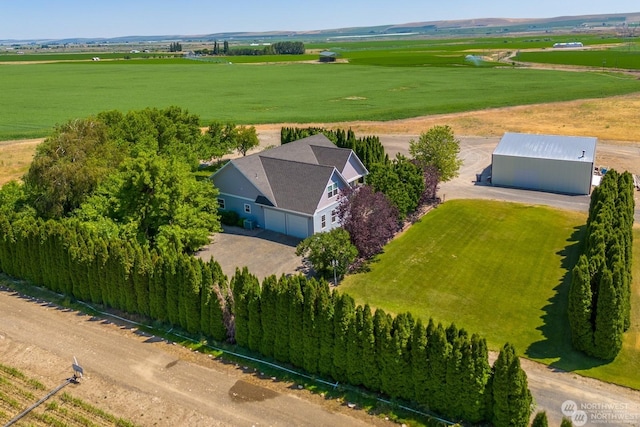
x,y
325,200
317,219
236,204
353,169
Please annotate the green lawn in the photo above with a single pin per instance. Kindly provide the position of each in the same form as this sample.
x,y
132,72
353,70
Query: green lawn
x,y
35,97
499,269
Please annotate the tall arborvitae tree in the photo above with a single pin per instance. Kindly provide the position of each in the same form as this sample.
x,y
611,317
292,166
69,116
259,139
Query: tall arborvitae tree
x,y
540,420
382,331
370,373
608,253
281,344
609,322
512,400
190,295
477,409
355,368
206,298
344,312
243,286
310,329
255,316
325,329
419,363
438,350
580,306
296,319
268,305
398,358
454,389
220,316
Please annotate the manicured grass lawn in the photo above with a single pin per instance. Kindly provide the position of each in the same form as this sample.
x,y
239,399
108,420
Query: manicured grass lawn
x,y
35,97
498,269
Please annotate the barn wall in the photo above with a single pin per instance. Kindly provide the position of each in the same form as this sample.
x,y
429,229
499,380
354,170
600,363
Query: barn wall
x,y
557,176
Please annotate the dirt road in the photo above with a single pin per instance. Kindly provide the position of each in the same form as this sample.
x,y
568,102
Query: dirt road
x,y
149,381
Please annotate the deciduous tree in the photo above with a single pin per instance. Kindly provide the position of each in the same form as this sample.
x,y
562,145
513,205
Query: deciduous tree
x,y
438,147
328,251
370,219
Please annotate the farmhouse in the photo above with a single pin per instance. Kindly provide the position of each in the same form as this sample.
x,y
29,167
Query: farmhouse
x,y
557,164
291,189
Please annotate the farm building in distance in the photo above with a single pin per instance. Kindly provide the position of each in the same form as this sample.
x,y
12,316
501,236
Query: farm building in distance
x,y
557,164
568,45
328,56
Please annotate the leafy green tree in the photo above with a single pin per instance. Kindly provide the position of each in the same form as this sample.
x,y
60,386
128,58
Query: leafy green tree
x,y
401,181
246,139
326,328
158,200
512,400
218,140
328,251
69,165
438,147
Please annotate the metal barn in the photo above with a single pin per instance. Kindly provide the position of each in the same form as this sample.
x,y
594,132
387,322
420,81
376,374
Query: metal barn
x,y
557,164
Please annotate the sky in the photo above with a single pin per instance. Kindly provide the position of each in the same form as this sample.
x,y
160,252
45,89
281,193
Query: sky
x,y
57,19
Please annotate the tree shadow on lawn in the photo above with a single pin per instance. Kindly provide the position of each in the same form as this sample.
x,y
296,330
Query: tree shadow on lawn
x,y
555,329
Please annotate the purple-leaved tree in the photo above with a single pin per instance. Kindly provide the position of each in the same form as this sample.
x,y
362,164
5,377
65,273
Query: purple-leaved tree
x,y
370,219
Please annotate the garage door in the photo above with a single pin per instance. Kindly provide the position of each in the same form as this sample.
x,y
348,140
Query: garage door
x,y
274,220
297,226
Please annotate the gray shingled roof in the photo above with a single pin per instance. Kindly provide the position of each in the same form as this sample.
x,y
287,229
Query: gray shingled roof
x,y
568,148
294,176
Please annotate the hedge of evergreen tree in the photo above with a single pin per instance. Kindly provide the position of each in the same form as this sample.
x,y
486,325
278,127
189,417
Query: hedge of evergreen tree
x,y
292,319
300,321
600,293
369,149
75,260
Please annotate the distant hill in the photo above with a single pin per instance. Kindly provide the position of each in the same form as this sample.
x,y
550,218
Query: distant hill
x,y
488,26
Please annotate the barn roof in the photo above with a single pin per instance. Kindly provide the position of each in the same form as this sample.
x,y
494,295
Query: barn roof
x,y
555,147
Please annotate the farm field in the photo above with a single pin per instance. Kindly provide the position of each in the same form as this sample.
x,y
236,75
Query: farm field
x,y
38,96
487,267
620,58
18,392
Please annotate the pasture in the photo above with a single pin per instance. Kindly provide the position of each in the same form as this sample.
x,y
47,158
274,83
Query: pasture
x,y
38,96
498,269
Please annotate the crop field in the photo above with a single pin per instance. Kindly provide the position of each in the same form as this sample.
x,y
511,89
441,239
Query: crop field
x,y
18,392
485,266
38,96
628,59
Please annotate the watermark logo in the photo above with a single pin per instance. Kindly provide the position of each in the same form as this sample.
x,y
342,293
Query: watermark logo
x,y
581,413
571,410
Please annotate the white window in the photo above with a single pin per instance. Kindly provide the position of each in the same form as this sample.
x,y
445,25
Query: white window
x,y
324,221
247,208
221,203
334,216
332,190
